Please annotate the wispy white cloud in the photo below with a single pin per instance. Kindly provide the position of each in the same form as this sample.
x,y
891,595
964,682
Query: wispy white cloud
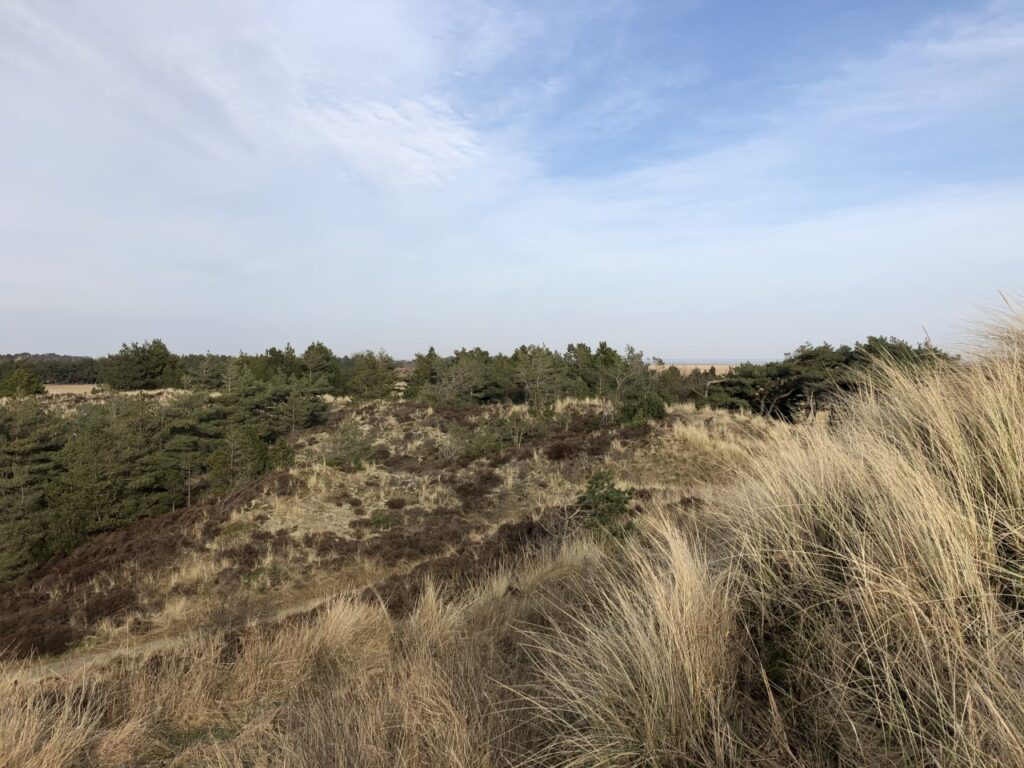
x,y
212,159
951,64
406,142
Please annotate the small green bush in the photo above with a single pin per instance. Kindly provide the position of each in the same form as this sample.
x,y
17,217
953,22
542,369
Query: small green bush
x,y
348,448
493,435
606,505
381,520
639,407
480,441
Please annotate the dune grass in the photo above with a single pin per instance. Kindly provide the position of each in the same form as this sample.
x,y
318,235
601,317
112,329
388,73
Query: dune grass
x,y
853,597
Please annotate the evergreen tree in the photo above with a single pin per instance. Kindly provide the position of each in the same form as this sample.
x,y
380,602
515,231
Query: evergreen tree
x,y
373,375
302,407
149,365
276,363
810,378
21,382
204,372
426,373
31,437
581,369
674,387
240,457
541,374
636,395
114,472
608,365
190,428
321,367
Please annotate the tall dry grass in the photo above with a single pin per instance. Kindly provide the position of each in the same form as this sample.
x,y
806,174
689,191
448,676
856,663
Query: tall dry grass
x,y
853,599
859,603
350,686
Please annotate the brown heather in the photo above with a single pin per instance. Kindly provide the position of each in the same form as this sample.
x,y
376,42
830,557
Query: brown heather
x,y
851,597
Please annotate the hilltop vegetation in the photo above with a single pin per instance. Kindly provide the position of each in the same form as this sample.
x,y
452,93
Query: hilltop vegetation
x,y
68,474
812,378
805,381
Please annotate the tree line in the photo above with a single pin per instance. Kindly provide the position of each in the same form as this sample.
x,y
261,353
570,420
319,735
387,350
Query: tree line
x,y
811,378
51,368
68,474
805,381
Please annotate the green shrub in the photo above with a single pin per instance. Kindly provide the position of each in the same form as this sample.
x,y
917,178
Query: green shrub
x,y
348,448
494,434
149,365
606,505
639,407
21,382
477,441
381,520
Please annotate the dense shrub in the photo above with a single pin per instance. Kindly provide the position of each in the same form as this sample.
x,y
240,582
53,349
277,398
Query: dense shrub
x,y
52,369
639,407
149,365
348,447
370,375
20,382
605,505
813,377
494,433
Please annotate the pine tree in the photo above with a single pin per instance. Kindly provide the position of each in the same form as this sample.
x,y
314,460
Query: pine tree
x,y
115,472
191,427
31,437
241,457
426,373
372,376
581,368
541,373
321,368
21,382
149,365
207,373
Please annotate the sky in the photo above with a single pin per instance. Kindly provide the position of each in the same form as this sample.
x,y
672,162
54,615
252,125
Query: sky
x,y
701,179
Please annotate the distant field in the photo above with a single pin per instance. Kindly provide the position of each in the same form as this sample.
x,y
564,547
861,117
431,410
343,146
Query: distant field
x,y
69,389
687,368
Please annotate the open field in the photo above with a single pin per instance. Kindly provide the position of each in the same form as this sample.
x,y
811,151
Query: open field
x,y
69,389
687,368
841,594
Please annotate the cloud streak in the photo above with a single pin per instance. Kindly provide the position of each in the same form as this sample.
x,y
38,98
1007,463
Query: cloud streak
x,y
233,175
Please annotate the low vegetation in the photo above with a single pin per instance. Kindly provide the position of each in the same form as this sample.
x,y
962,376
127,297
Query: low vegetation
x,y
488,572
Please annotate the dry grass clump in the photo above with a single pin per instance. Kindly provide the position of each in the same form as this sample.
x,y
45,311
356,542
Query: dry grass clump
x,y
348,686
640,668
880,571
862,607
693,450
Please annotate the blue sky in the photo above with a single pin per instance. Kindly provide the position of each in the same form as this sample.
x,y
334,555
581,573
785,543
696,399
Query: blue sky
x,y
700,179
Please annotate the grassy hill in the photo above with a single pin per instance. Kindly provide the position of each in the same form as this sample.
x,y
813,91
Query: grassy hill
x,y
483,587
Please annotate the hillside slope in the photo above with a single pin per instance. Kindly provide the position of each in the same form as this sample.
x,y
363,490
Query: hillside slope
x,y
839,594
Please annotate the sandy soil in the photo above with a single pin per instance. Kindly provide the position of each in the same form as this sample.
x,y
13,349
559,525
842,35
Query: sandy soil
x,y
687,368
69,389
